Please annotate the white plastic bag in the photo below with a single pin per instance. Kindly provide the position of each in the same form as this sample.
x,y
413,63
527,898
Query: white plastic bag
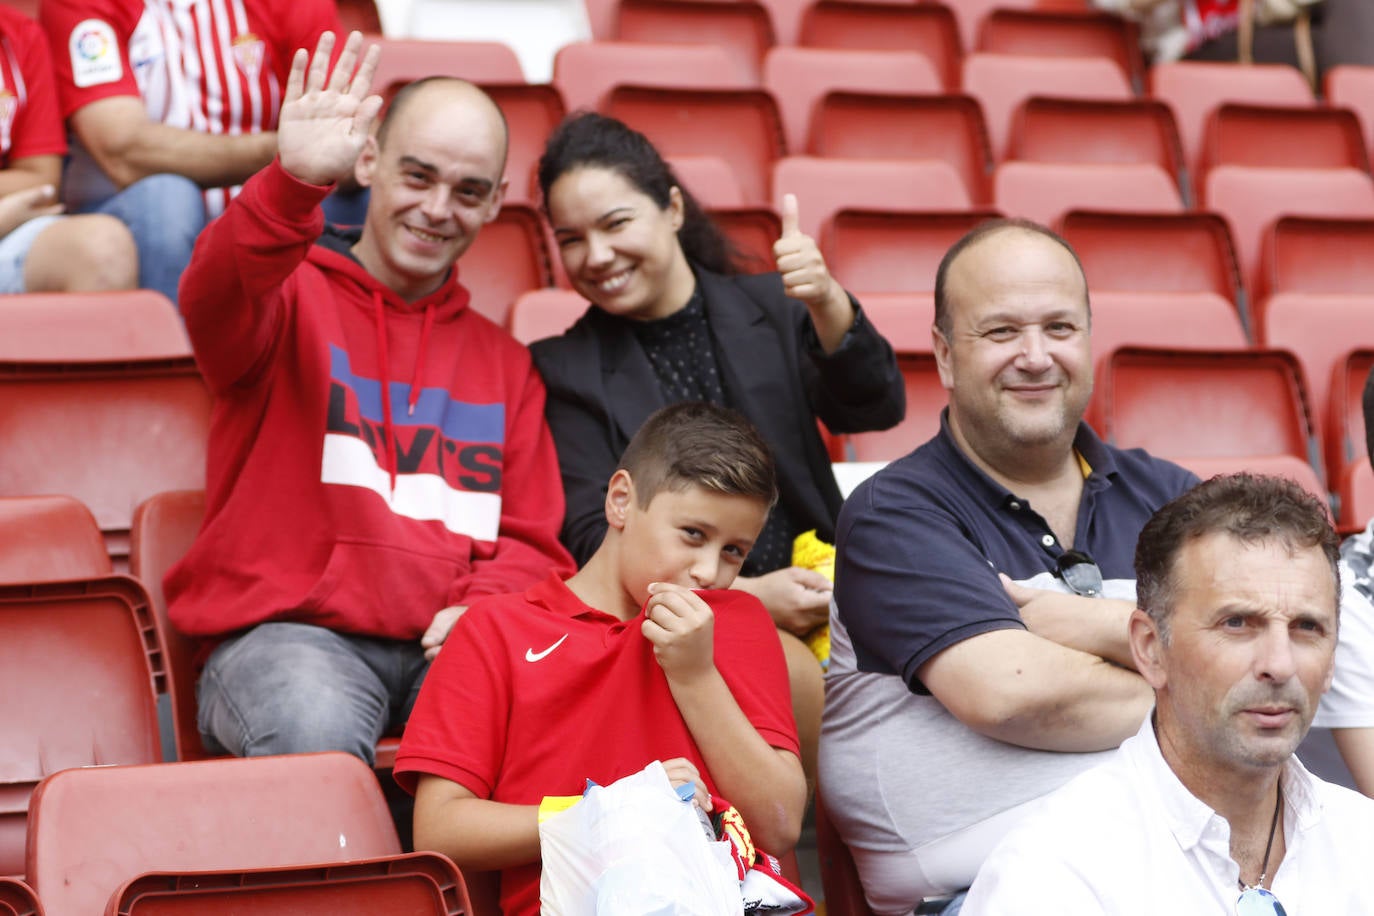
x,y
633,848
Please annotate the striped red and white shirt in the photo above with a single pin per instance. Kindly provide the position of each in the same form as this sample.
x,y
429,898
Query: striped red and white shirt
x,y
216,66
29,122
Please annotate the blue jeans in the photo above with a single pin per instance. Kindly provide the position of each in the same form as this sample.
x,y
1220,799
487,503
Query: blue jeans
x,y
165,214
294,688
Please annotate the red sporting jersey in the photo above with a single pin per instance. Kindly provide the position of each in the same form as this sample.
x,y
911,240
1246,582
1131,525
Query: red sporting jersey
x,y
29,122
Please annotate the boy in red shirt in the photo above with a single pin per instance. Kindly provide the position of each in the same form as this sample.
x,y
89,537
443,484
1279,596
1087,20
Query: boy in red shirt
x,y
624,663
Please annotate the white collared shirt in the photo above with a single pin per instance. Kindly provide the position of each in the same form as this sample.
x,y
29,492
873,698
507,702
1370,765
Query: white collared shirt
x,y
1127,837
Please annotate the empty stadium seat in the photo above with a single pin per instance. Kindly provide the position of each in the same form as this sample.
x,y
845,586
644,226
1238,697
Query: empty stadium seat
x,y
1317,255
861,25
710,179
1201,403
1166,320
404,60
417,884
1353,87
532,112
1085,33
971,13
92,829
925,398
743,27
508,257
1094,130
1294,469
81,671
1045,191
905,319
800,77
97,412
1355,496
752,230
1345,432
1001,82
84,327
545,313
49,537
1251,199
826,186
18,899
1283,137
585,71
1163,252
893,252
742,126
884,126
1194,89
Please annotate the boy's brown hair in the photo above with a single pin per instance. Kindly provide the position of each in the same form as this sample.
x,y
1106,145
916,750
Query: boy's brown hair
x,y
695,443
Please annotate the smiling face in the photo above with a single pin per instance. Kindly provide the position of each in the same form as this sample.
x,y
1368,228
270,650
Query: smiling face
x,y
1250,648
619,248
436,179
1017,360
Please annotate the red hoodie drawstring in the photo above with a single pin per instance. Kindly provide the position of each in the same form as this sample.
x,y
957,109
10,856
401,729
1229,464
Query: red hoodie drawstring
x,y
388,434
420,359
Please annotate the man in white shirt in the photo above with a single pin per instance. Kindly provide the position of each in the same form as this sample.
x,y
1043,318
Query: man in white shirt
x,y
1206,810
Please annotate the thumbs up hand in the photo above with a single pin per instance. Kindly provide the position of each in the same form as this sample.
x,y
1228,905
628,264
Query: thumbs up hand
x,y
806,278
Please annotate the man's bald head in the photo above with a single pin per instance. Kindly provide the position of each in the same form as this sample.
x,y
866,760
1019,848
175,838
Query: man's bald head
x,y
434,91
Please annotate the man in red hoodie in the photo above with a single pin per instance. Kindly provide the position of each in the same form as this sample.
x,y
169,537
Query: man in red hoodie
x,y
378,456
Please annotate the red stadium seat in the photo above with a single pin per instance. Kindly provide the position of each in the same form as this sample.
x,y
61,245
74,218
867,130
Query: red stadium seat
x,y
800,77
1283,137
360,16
1295,469
92,829
18,899
752,230
1045,191
1345,432
508,257
545,313
1353,87
883,126
1001,82
404,60
1355,494
1317,255
419,884
1251,199
710,179
1156,252
585,71
81,671
1095,131
49,537
893,252
1166,320
904,319
1194,89
1202,403
741,126
532,112
743,27
971,13
863,25
826,186
85,327
925,398
1065,33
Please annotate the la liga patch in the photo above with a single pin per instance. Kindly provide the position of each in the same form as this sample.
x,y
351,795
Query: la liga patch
x,y
95,54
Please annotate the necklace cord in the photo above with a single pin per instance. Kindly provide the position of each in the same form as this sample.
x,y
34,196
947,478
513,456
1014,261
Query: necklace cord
x,y
1269,846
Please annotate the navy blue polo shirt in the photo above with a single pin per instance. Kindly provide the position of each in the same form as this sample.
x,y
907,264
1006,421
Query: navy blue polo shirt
x,y
921,542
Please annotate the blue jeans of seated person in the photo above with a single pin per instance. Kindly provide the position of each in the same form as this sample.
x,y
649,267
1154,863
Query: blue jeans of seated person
x,y
294,688
165,214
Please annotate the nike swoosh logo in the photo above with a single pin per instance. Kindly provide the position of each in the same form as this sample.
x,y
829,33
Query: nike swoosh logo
x,y
533,656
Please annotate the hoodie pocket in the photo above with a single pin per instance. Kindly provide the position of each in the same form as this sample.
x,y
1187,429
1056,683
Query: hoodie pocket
x,y
380,590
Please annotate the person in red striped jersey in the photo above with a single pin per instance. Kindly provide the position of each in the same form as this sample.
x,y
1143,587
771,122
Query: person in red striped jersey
x,y
41,251
172,104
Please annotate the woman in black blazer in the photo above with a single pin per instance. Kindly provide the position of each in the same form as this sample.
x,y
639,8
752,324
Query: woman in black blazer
x,y
672,319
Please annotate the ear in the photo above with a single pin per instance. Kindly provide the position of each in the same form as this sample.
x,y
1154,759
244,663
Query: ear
x,y
365,168
677,209
620,496
498,196
940,346
1147,648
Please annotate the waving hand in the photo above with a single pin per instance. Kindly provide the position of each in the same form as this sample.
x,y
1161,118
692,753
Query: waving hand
x,y
326,117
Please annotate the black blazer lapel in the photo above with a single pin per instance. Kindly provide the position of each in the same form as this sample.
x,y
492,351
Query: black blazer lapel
x,y
632,390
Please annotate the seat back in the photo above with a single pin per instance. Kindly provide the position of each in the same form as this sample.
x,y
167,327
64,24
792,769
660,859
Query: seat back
x,y
800,77
43,538
508,257
925,398
92,829
1096,130
1045,191
1352,87
1165,320
404,60
1312,254
419,883
712,180
1001,82
1276,136
741,126
893,252
544,313
81,670
743,27
1287,466
531,112
753,231
861,25
885,126
1345,430
18,899
1085,33
1206,403
91,327
586,71
904,319
826,186
1355,495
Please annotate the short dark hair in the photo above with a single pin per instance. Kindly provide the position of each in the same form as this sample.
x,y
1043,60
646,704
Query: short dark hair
x,y
590,139
1252,508
695,443
943,320
407,93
